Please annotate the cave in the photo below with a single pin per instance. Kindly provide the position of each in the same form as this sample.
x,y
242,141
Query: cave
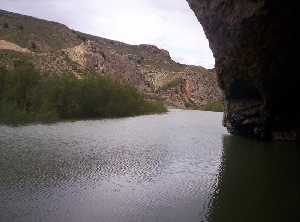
x,y
253,42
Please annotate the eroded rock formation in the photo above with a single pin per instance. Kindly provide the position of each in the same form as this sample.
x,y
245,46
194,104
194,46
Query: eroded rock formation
x,y
254,42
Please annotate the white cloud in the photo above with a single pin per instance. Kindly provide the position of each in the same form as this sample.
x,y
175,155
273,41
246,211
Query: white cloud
x,y
169,24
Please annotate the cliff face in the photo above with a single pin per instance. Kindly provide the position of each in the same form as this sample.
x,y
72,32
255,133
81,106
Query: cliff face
x,y
53,48
253,42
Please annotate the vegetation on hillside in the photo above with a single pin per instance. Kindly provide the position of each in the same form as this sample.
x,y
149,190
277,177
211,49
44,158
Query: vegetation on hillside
x,y
27,96
214,107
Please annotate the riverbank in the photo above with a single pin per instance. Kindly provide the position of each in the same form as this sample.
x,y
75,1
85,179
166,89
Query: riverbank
x,y
213,107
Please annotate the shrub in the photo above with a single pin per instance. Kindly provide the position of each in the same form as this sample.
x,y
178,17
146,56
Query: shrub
x,y
20,27
214,106
81,37
190,105
5,25
27,96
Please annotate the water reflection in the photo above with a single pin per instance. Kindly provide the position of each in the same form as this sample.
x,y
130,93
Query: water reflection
x,y
257,182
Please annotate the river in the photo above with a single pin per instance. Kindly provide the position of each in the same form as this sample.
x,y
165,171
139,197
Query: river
x,y
178,167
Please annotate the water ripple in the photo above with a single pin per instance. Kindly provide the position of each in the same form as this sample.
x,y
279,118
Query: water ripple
x,y
150,168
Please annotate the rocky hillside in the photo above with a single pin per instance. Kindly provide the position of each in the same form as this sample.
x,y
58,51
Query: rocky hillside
x,y
54,48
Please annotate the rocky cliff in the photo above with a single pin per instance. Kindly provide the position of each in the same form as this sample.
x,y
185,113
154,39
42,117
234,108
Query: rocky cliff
x,y
253,42
54,48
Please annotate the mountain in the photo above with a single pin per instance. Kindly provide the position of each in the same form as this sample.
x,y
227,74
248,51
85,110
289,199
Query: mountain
x,y
54,48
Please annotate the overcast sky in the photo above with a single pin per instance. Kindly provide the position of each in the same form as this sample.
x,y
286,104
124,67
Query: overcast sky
x,y
168,24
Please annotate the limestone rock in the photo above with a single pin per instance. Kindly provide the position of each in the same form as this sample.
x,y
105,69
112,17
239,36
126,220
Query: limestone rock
x,y
5,45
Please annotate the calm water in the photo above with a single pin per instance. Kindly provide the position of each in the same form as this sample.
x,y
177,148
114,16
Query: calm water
x,y
181,166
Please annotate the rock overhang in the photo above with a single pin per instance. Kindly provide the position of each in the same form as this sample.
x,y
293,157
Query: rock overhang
x,y
253,42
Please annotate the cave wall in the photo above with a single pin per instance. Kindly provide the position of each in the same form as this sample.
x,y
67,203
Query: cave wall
x,y
254,43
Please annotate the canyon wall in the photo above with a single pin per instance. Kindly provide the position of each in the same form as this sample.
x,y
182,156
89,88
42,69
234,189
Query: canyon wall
x,y
55,49
254,44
